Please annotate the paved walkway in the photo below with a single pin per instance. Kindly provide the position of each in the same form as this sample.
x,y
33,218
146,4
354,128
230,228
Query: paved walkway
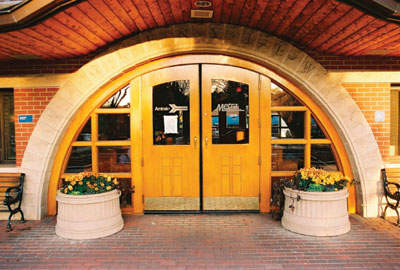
x,y
220,241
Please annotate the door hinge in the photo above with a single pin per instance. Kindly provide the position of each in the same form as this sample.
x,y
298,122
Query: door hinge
x,y
259,160
142,162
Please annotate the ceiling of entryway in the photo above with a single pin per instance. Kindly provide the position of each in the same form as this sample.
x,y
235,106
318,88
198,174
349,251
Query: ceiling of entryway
x,y
63,29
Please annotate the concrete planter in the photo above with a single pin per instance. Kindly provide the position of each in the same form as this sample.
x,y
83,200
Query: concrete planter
x,y
316,213
88,216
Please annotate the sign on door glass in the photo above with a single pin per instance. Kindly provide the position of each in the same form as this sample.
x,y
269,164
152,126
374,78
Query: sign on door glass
x,y
171,114
230,112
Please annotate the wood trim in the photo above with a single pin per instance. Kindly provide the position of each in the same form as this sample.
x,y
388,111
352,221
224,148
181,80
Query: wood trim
x,y
307,135
38,81
282,173
137,151
288,141
113,110
104,92
112,143
265,135
289,108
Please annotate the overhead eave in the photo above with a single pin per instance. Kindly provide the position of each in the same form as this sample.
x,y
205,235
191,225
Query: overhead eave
x,y
31,12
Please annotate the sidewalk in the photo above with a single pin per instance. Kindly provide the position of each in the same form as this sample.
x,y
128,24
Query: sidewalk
x,y
212,241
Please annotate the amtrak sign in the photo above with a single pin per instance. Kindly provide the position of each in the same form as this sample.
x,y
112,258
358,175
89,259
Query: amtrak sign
x,y
172,108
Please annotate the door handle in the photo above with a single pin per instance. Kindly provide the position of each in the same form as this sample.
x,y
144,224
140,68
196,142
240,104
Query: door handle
x,y
195,141
206,141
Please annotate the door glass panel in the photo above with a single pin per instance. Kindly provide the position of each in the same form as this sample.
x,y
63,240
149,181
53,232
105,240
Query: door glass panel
x,y
114,159
80,159
121,99
287,157
322,157
316,131
171,113
287,125
114,127
280,97
86,132
230,112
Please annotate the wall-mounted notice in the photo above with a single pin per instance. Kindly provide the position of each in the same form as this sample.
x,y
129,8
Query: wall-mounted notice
x,y
25,118
170,124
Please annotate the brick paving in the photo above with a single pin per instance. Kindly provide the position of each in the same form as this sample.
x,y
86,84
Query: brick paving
x,y
212,241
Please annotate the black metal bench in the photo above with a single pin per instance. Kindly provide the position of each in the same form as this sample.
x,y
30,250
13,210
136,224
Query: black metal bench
x,y
391,189
11,189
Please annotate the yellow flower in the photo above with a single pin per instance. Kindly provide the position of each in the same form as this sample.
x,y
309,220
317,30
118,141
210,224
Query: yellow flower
x,y
70,187
73,183
97,189
115,181
102,184
108,187
65,190
80,183
109,179
95,184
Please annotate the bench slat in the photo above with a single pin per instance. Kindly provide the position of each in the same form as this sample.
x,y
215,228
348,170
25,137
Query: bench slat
x,y
10,175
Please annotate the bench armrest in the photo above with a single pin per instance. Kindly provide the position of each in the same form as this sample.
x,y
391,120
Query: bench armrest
x,y
394,194
10,199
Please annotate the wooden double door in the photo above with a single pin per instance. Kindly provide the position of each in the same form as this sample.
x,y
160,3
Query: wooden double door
x,y
201,138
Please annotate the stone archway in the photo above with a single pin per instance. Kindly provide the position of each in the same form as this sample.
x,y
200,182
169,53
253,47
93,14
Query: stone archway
x,y
266,50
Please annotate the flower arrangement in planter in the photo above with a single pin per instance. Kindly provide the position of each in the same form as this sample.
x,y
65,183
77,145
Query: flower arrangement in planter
x,y
316,203
88,207
317,180
87,183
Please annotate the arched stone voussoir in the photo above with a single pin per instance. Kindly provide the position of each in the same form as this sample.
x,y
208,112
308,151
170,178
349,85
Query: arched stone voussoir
x,y
237,41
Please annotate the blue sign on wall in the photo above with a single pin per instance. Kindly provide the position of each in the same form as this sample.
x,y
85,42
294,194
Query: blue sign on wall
x,y
25,118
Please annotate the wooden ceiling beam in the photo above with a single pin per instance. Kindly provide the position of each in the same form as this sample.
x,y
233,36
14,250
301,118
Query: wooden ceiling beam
x,y
311,8
110,16
237,11
273,6
358,37
98,19
280,15
347,32
145,13
376,43
340,24
176,7
121,13
155,10
81,29
166,10
314,21
247,12
320,28
261,6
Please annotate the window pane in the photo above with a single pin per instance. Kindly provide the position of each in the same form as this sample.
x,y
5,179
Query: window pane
x,y
280,97
125,185
287,125
114,159
86,133
287,157
230,112
316,131
80,159
171,113
114,127
7,128
322,157
122,99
